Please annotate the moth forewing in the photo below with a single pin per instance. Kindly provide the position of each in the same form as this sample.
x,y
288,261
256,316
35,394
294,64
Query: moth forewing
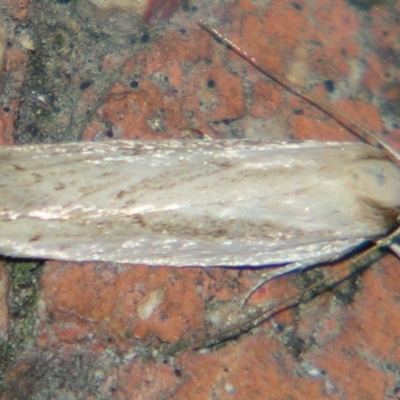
x,y
194,203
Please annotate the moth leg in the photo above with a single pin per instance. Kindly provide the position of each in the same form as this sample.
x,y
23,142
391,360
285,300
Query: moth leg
x,y
269,275
284,270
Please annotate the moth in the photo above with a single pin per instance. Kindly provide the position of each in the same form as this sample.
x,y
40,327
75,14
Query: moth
x,y
195,202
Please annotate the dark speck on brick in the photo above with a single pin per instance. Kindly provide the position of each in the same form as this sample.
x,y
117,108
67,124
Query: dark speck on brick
x,y
210,83
329,86
177,373
84,85
145,38
134,84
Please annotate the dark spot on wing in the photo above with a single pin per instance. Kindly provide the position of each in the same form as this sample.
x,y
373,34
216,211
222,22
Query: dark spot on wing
x,y
37,177
60,186
139,220
121,194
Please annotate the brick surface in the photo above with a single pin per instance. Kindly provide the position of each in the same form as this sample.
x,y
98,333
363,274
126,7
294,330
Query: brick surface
x,y
109,330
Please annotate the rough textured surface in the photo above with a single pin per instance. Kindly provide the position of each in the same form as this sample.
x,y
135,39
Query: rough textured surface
x,y
79,330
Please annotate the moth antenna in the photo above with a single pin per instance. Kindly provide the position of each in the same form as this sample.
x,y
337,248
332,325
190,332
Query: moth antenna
x,y
341,117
